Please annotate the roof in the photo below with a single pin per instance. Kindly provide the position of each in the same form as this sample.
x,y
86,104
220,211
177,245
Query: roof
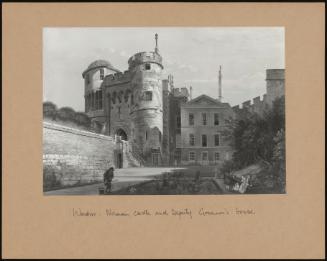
x,y
205,100
99,64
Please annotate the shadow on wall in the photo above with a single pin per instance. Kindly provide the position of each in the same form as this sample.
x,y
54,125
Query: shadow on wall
x,y
73,157
62,175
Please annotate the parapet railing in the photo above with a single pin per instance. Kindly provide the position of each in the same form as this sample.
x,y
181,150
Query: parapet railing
x,y
136,152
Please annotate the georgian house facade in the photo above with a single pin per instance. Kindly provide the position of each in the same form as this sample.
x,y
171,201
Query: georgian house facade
x,y
203,121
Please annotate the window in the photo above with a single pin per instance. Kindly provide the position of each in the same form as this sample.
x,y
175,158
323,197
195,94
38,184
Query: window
x,y
120,96
191,156
216,119
147,66
204,140
93,101
118,112
101,74
191,119
148,96
216,139
114,95
204,118
217,156
192,139
178,121
86,97
100,99
146,135
96,100
205,155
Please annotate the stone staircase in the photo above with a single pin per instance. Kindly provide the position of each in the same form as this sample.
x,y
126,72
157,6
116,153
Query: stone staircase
x,y
130,157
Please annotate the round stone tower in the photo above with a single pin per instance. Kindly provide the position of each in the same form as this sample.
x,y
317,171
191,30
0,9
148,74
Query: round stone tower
x,y
146,106
93,78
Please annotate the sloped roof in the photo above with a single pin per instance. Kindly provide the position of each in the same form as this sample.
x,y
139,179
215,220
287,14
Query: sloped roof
x,y
205,100
99,64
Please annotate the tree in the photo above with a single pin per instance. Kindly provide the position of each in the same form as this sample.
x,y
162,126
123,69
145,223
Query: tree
x,y
49,110
66,114
279,163
82,119
259,138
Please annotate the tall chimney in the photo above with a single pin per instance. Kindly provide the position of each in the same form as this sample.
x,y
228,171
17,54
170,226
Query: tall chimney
x,y
156,49
219,84
190,92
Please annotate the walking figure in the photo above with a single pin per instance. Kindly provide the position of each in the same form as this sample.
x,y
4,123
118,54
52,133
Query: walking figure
x,y
107,178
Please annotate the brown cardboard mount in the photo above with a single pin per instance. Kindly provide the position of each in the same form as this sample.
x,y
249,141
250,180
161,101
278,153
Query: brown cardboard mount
x,y
283,226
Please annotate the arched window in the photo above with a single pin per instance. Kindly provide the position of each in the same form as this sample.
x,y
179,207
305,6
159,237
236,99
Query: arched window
x,y
93,100
120,96
127,92
100,99
101,74
97,100
108,102
114,98
89,105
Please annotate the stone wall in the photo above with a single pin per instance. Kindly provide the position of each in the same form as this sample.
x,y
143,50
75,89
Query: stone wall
x,y
74,157
256,105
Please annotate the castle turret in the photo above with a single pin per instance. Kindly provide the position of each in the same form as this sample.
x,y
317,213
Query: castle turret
x,y
93,78
147,109
275,80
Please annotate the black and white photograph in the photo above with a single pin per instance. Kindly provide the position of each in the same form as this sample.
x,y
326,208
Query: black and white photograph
x,y
163,111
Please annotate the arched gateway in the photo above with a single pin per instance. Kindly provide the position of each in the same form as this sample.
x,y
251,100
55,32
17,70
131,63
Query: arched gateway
x,y
122,134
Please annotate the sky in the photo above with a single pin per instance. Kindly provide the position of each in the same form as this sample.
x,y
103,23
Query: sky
x,y
191,54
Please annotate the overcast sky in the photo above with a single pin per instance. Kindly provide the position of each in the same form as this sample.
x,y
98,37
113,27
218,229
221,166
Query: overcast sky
x,y
191,55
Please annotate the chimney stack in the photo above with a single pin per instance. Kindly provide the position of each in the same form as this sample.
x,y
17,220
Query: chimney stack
x,y
219,84
156,49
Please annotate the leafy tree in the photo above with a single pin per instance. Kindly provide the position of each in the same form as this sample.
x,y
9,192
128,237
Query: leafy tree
x,y
66,114
82,119
259,138
49,110
279,161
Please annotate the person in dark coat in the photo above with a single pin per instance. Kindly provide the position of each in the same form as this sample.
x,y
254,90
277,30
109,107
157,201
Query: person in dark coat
x,y
107,178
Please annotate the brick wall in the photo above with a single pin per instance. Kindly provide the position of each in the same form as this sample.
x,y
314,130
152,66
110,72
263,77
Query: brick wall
x,y
74,157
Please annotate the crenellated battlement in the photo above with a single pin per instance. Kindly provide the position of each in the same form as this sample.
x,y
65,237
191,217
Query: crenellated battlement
x,y
178,92
275,88
256,105
117,78
275,74
144,57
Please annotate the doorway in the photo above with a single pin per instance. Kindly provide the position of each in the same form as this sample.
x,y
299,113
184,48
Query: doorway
x,y
122,134
155,159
